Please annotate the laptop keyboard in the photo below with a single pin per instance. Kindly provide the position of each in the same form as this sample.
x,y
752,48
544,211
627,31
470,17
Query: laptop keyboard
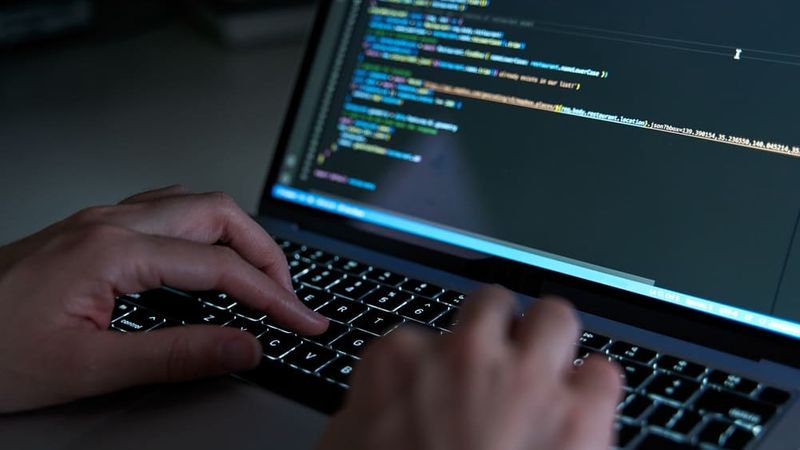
x,y
670,402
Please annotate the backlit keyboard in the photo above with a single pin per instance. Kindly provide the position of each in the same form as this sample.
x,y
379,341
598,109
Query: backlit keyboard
x,y
670,402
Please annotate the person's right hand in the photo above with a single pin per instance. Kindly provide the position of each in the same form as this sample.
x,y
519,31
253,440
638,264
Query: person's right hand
x,y
497,383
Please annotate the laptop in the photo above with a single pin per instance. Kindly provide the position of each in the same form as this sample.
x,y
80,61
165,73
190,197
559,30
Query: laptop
x,y
640,159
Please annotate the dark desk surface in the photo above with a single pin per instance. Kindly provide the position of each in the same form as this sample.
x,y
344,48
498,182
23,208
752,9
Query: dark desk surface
x,y
214,414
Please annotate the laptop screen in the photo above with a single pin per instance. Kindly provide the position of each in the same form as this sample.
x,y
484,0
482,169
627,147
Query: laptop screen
x,y
648,146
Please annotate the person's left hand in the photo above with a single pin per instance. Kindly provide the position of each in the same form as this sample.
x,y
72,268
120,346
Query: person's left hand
x,y
57,291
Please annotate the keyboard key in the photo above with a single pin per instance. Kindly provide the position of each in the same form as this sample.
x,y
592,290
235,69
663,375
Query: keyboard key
x,y
636,407
170,304
298,267
277,343
334,331
662,415
308,266
314,298
447,321
632,352
687,422
385,277
581,354
421,288
342,310
714,432
254,328
738,439
593,340
732,382
316,256
387,299
681,366
452,298
774,396
626,434
320,277
672,387
340,369
168,323
213,316
216,299
288,247
353,342
310,357
353,288
121,308
422,310
656,442
377,322
350,267
735,407
247,313
278,327
138,320
635,374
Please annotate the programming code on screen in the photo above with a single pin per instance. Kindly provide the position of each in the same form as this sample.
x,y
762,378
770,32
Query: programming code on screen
x,y
448,37
653,139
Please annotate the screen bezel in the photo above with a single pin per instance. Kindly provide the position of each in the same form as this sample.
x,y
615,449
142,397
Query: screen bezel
x,y
662,317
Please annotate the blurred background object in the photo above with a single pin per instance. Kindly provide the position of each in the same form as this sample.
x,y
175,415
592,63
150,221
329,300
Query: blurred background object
x,y
233,22
22,22
137,96
251,22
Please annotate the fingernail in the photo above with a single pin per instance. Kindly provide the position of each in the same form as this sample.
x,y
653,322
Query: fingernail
x,y
318,318
238,354
318,322
308,313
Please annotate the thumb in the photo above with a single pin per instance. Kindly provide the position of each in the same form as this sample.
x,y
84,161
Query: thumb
x,y
118,361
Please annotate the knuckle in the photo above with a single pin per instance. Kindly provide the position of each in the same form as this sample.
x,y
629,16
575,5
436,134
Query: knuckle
x,y
91,214
226,256
222,200
179,188
228,268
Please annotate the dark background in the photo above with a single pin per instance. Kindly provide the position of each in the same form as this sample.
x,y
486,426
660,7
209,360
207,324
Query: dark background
x,y
142,97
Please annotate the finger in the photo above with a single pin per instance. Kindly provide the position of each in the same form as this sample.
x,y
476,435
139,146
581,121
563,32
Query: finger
x,y
597,390
113,361
487,315
547,334
152,262
209,219
387,368
156,194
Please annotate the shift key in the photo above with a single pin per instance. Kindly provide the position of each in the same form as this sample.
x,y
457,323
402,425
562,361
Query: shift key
x,y
735,407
